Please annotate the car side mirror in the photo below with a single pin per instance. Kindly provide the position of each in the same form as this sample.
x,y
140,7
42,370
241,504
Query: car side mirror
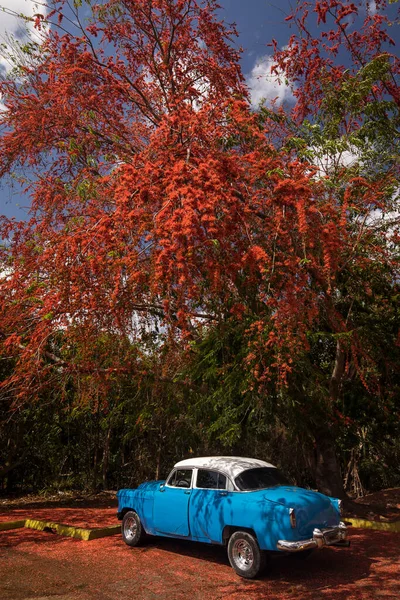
x,y
162,487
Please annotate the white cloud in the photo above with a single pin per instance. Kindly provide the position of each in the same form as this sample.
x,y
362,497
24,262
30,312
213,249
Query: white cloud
x,y
371,7
13,26
329,163
264,85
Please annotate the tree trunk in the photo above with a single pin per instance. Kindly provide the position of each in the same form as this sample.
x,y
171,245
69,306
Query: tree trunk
x,y
328,476
327,473
10,467
106,458
159,455
15,458
96,441
337,373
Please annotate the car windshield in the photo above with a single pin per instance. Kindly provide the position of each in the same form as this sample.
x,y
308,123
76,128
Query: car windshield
x,y
260,478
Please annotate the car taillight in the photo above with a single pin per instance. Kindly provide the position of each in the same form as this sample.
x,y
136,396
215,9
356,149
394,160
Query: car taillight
x,y
292,516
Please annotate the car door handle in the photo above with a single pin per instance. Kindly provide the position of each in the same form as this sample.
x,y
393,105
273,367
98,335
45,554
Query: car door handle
x,y
187,492
223,493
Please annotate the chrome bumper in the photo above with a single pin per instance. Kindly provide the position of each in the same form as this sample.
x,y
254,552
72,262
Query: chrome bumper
x,y
320,538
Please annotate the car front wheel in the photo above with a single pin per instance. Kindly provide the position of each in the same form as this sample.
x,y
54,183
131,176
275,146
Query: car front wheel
x,y
245,555
133,533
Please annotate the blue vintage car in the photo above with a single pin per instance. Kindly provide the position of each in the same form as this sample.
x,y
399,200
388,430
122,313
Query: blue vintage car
x,y
244,503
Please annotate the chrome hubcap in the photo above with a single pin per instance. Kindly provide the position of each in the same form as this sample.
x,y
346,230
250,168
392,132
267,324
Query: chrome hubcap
x,y
242,554
130,528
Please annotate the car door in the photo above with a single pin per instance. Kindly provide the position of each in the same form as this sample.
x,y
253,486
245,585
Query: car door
x,y
210,505
171,504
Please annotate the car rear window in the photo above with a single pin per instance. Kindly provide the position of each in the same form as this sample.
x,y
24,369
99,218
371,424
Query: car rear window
x,y
260,478
211,480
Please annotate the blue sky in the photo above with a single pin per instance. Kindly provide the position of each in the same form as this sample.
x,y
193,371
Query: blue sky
x,y
258,21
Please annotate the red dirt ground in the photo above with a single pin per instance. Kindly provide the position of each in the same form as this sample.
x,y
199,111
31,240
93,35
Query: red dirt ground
x,y
381,506
43,566
79,517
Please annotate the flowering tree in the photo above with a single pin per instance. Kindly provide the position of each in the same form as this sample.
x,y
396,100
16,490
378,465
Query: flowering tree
x,y
346,121
159,199
154,188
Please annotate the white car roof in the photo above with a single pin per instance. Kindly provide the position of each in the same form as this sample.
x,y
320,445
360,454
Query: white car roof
x,y
230,465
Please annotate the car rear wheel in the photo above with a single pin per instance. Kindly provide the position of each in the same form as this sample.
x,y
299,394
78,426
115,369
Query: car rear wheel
x,y
133,533
245,555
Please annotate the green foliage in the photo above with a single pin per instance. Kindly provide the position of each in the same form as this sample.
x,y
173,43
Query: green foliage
x,y
224,403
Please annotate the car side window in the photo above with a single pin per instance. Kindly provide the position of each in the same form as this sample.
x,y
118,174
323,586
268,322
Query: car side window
x,y
211,480
180,478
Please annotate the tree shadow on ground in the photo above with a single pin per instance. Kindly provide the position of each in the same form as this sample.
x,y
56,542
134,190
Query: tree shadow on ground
x,y
16,537
336,572
184,569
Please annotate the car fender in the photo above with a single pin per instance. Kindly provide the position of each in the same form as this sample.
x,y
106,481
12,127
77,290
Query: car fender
x,y
141,500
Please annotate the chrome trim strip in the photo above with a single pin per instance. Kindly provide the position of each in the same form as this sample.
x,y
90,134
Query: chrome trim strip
x,y
292,517
320,538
